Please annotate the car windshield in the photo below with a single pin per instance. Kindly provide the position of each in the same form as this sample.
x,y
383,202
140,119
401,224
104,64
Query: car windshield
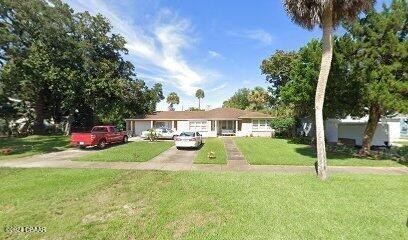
x,y
187,134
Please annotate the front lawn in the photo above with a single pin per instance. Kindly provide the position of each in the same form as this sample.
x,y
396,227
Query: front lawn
x,y
114,204
215,145
32,145
270,151
131,152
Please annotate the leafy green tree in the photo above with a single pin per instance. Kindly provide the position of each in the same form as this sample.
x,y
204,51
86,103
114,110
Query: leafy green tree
x,y
155,95
172,99
200,95
34,64
343,91
380,63
277,70
68,65
238,100
257,98
326,14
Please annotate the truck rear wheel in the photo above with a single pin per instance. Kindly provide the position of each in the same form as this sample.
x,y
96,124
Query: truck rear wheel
x,y
102,144
125,139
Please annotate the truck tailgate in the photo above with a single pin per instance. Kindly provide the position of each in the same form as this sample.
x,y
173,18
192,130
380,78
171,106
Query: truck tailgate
x,y
81,139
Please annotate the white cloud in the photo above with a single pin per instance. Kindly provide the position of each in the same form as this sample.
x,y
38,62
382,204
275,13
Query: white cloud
x,y
214,54
261,36
157,47
214,89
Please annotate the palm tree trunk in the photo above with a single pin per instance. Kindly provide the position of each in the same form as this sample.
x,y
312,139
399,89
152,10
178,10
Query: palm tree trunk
x,y
373,118
199,104
327,23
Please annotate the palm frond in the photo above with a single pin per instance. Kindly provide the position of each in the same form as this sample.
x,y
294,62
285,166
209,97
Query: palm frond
x,y
308,13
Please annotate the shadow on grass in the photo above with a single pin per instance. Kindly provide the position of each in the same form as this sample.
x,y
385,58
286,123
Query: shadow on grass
x,y
308,151
36,144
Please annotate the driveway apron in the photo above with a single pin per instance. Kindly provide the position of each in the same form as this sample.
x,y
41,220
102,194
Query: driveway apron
x,y
172,159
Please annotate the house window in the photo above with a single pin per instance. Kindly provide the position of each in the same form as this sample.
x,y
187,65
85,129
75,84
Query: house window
x,y
260,125
160,124
227,125
198,125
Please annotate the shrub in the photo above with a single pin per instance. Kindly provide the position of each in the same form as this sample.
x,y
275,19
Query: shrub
x,y
152,135
284,126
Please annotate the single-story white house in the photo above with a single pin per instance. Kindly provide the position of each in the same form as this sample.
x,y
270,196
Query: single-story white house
x,y
211,123
388,130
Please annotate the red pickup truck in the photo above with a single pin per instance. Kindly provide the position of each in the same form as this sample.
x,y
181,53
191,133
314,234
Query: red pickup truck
x,y
99,136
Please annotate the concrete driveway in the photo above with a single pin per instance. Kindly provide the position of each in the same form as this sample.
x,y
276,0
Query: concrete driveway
x,y
54,159
173,159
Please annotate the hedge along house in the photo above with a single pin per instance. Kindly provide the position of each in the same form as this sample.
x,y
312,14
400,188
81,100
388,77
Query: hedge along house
x,y
211,123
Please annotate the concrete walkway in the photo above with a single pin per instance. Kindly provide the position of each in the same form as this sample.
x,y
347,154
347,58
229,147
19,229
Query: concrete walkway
x,y
181,160
235,158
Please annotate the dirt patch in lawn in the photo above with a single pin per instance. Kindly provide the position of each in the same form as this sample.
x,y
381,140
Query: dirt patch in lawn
x,y
190,221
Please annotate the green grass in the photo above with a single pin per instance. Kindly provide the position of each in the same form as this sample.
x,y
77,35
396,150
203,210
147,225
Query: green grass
x,y
114,204
131,152
217,146
32,145
269,151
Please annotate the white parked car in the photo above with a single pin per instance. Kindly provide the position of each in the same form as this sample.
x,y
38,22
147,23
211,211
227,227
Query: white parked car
x,y
162,133
188,140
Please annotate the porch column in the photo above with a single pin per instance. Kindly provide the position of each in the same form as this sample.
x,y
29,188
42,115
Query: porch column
x,y
131,127
172,125
216,127
127,125
236,127
151,124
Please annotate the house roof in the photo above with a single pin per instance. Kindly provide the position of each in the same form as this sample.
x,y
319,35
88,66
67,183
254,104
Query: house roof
x,y
256,115
214,114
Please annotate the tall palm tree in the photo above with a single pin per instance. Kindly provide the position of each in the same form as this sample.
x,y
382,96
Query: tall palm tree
x,y
326,14
172,99
199,94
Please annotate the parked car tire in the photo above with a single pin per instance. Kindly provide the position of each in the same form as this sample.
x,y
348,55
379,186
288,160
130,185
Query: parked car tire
x,y
102,144
125,139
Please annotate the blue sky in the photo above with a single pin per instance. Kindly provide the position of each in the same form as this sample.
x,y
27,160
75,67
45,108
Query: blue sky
x,y
214,45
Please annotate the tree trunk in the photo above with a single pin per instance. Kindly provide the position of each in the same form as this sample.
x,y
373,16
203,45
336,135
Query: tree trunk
x,y
373,118
321,89
199,104
38,126
68,126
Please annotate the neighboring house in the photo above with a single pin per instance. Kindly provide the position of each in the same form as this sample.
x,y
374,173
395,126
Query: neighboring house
x,y
388,130
337,130
211,123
